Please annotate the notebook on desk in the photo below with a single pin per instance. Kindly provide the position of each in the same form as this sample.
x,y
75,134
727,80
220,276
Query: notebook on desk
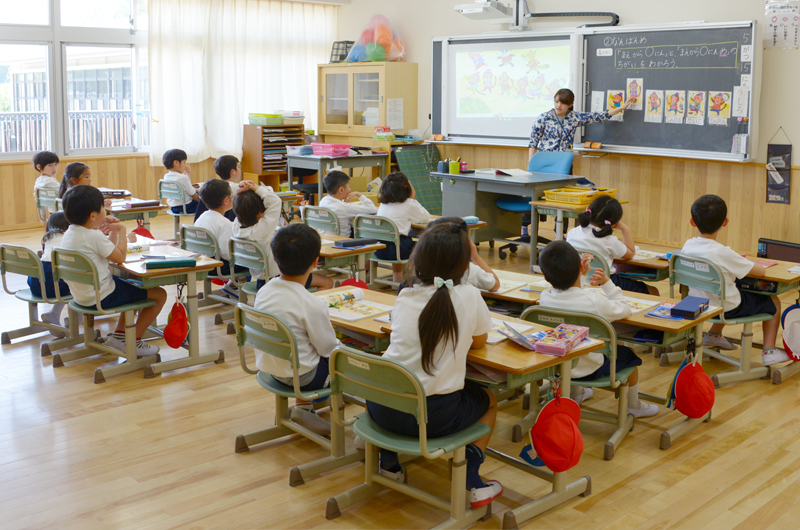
x,y
505,172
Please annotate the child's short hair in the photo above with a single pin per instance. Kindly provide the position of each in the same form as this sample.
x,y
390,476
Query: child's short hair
x,y
560,264
247,205
80,202
172,156
213,193
395,188
43,158
708,213
73,171
295,248
224,165
335,180
605,211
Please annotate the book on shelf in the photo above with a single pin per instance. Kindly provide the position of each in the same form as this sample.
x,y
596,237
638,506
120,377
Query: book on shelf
x,y
495,334
350,305
485,374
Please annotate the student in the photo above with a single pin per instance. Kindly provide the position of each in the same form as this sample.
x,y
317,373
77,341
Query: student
x,y
46,163
709,216
76,173
175,161
56,226
258,211
337,184
595,233
398,203
478,274
84,209
296,249
228,168
434,325
562,267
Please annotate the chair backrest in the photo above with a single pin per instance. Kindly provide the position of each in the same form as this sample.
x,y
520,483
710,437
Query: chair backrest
x,y
597,260
172,190
21,260
75,266
376,227
551,162
379,380
46,197
699,273
247,253
599,328
269,334
59,205
196,239
321,218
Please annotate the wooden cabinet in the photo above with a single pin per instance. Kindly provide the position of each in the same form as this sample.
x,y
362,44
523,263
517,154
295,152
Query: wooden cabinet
x,y
354,98
264,150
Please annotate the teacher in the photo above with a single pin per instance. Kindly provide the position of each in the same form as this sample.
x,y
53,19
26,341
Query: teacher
x,y
555,129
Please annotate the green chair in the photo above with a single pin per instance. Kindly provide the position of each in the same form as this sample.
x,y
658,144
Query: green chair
x,y
382,229
617,382
23,261
270,335
76,267
703,274
391,384
247,253
597,260
172,190
321,218
45,201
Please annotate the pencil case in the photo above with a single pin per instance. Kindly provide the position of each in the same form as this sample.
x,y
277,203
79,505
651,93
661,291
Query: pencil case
x,y
170,263
359,242
690,307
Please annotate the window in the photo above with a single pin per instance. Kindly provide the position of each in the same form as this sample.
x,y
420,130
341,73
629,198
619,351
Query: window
x,y
79,84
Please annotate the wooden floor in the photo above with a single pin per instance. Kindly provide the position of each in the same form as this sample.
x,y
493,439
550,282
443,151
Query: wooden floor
x,y
159,453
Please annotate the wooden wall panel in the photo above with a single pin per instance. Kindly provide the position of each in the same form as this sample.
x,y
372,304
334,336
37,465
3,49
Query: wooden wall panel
x,y
662,190
132,172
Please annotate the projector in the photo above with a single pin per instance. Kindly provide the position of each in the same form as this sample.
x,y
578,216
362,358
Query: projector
x,y
484,9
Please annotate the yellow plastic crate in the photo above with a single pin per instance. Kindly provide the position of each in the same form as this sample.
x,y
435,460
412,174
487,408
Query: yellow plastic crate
x,y
577,196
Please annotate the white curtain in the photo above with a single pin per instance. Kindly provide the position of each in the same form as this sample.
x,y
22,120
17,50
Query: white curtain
x,y
214,61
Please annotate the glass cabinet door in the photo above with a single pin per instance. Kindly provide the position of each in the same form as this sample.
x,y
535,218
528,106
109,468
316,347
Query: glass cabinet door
x,y
337,93
366,95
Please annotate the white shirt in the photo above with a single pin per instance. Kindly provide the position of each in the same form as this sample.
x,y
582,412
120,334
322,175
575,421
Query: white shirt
x,y
45,181
221,227
404,214
346,212
612,307
450,361
185,183
262,232
732,264
50,244
478,277
306,315
609,247
98,248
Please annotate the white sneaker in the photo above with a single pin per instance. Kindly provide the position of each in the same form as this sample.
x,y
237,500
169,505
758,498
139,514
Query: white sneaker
x,y
644,410
143,349
231,290
48,318
774,356
480,497
310,421
359,442
718,342
114,342
399,476
586,393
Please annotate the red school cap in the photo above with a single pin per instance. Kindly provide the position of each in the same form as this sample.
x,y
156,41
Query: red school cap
x,y
556,437
694,391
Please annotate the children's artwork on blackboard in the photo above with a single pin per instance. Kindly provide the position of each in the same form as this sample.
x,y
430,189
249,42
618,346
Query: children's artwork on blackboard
x,y
696,107
719,108
779,172
675,106
615,99
635,91
654,109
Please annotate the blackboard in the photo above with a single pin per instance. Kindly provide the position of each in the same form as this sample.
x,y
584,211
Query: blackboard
x,y
705,58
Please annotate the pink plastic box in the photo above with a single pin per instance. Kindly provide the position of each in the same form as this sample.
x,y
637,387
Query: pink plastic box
x,y
331,149
560,340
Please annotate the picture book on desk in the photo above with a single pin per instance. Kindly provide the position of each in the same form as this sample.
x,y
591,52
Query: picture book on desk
x,y
637,305
506,286
642,255
496,333
350,305
539,286
557,341
663,311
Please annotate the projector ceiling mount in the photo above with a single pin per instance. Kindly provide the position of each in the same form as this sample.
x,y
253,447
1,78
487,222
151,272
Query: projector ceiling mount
x,y
518,15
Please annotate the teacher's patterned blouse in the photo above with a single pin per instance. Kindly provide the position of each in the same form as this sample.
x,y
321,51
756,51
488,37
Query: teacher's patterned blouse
x,y
551,134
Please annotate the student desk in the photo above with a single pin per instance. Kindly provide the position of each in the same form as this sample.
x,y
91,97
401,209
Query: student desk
x,y
477,193
343,257
523,366
470,227
325,163
135,269
145,213
561,211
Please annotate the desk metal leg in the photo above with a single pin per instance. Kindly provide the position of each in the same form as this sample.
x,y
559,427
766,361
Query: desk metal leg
x,y
194,357
146,220
362,266
559,225
534,234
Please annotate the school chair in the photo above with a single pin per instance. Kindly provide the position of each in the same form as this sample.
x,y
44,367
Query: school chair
x,y
75,266
246,253
382,229
391,384
597,261
617,382
45,200
269,334
321,218
23,261
703,274
541,162
173,190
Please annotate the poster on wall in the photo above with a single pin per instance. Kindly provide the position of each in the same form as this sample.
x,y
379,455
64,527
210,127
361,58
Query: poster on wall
x,y
782,24
779,173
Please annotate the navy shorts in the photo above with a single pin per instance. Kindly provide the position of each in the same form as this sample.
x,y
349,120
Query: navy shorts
x,y
389,253
751,304
626,284
191,207
625,359
124,293
49,288
447,413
